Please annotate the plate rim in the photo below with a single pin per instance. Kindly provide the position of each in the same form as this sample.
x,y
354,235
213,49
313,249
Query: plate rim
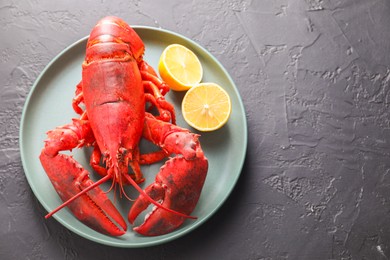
x,y
157,241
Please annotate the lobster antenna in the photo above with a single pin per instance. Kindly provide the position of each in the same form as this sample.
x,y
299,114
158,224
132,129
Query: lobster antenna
x,y
135,185
66,203
124,192
113,186
121,188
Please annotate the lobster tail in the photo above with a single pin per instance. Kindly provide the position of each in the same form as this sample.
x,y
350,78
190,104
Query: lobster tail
x,y
113,30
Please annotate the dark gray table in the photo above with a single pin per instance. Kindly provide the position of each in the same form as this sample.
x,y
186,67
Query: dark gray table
x,y
314,78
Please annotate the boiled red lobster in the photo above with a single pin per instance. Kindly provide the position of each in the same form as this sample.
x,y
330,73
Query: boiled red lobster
x,y
115,100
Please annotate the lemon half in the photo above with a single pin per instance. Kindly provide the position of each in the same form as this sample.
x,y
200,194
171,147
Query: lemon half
x,y
179,67
206,107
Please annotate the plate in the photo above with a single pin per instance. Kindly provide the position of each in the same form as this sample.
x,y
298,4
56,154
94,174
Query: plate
x,y
49,105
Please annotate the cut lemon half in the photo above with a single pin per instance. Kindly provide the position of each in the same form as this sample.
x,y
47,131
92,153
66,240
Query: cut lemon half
x,y
206,107
179,67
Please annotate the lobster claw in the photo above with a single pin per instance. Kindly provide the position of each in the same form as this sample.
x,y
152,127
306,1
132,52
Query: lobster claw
x,y
93,208
179,183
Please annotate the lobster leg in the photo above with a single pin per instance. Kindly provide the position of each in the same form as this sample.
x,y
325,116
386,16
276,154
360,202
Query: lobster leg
x,y
69,179
79,98
153,157
178,184
95,161
165,109
155,89
149,74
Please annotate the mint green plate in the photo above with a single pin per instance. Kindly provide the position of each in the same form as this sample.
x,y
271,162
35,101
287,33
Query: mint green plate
x,y
49,105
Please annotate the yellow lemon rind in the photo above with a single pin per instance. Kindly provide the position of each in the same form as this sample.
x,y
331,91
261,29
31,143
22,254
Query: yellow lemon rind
x,y
169,77
189,120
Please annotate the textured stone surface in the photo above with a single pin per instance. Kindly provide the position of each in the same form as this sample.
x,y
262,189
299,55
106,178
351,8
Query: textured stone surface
x,y
314,78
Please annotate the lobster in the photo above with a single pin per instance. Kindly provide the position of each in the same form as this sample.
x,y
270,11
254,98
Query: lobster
x,y
119,100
